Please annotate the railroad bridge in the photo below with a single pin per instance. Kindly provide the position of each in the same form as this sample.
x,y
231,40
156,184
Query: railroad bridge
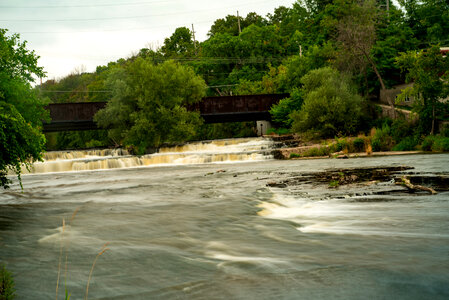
x,y
79,116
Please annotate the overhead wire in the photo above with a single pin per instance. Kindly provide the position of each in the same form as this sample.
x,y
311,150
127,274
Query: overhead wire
x,y
110,91
110,30
86,5
129,17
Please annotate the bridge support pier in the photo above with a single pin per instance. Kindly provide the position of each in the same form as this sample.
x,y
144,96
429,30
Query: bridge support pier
x,y
263,127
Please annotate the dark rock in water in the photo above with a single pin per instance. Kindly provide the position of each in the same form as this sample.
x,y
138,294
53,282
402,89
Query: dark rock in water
x,y
277,184
277,154
384,176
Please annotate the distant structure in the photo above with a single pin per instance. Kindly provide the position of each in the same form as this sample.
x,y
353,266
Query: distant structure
x,y
79,116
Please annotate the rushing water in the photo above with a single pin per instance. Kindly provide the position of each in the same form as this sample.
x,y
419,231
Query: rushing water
x,y
185,230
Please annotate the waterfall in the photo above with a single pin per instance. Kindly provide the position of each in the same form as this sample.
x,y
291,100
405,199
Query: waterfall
x,y
216,151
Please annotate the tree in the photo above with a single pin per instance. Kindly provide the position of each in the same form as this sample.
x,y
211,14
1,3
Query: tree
x,y
149,104
21,110
230,24
356,36
331,107
429,72
180,43
428,19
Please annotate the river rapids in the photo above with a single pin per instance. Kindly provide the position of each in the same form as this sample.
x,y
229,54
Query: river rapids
x,y
224,220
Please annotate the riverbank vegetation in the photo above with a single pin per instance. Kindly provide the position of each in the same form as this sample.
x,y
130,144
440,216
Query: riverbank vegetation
x,y
334,58
7,290
21,109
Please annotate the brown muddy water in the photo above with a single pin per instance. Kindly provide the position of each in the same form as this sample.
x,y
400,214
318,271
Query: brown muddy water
x,y
207,222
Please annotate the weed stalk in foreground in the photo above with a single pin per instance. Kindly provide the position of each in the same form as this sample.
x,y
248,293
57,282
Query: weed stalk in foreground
x,y
102,251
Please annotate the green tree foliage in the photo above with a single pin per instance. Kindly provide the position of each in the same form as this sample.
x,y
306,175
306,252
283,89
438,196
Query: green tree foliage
x,y
356,38
392,37
280,113
149,104
230,23
290,80
21,111
179,44
429,72
428,19
331,107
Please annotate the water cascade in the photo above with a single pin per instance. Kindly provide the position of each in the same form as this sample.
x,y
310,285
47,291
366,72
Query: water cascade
x,y
218,151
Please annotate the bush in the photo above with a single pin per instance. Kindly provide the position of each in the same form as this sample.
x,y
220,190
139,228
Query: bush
x,y
382,141
401,129
445,131
6,284
427,143
278,131
317,151
340,145
358,144
440,144
407,144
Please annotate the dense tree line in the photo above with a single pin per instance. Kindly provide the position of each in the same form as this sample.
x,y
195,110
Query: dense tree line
x,y
359,39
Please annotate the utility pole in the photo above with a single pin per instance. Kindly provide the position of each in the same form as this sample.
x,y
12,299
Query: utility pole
x,y
194,41
238,21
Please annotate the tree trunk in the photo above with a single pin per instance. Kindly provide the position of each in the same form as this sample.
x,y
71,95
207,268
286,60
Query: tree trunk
x,y
432,131
382,85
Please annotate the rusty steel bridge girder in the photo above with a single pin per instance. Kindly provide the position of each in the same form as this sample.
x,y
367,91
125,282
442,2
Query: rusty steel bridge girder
x,y
79,116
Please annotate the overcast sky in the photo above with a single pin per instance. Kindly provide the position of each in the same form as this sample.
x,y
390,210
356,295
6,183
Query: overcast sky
x,y
70,34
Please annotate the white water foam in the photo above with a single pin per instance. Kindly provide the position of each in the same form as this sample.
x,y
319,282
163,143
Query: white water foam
x,y
343,216
220,151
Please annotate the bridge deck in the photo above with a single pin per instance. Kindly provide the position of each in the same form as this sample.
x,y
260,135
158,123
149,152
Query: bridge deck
x,y
79,116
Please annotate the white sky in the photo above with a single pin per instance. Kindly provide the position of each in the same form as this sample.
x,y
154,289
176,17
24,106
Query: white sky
x,y
70,34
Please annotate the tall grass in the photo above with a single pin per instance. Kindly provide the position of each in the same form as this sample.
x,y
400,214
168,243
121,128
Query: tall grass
x,y
64,249
102,251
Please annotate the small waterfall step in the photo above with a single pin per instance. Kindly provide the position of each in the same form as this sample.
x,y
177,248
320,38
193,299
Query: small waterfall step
x,y
215,151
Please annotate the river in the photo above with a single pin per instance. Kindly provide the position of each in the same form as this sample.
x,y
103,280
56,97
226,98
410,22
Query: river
x,y
203,222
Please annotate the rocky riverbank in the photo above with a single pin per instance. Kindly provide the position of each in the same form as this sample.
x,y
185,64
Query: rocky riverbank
x,y
292,147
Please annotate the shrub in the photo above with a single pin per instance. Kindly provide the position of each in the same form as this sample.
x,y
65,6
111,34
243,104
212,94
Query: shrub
x,y
400,129
6,284
382,141
440,144
407,144
341,144
279,131
358,144
427,143
294,155
445,131
317,151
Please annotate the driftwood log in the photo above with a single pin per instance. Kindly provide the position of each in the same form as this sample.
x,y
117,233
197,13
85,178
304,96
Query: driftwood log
x,y
414,187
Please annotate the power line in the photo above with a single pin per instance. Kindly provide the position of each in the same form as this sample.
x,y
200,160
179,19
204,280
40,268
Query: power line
x,y
109,30
110,91
85,5
128,17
